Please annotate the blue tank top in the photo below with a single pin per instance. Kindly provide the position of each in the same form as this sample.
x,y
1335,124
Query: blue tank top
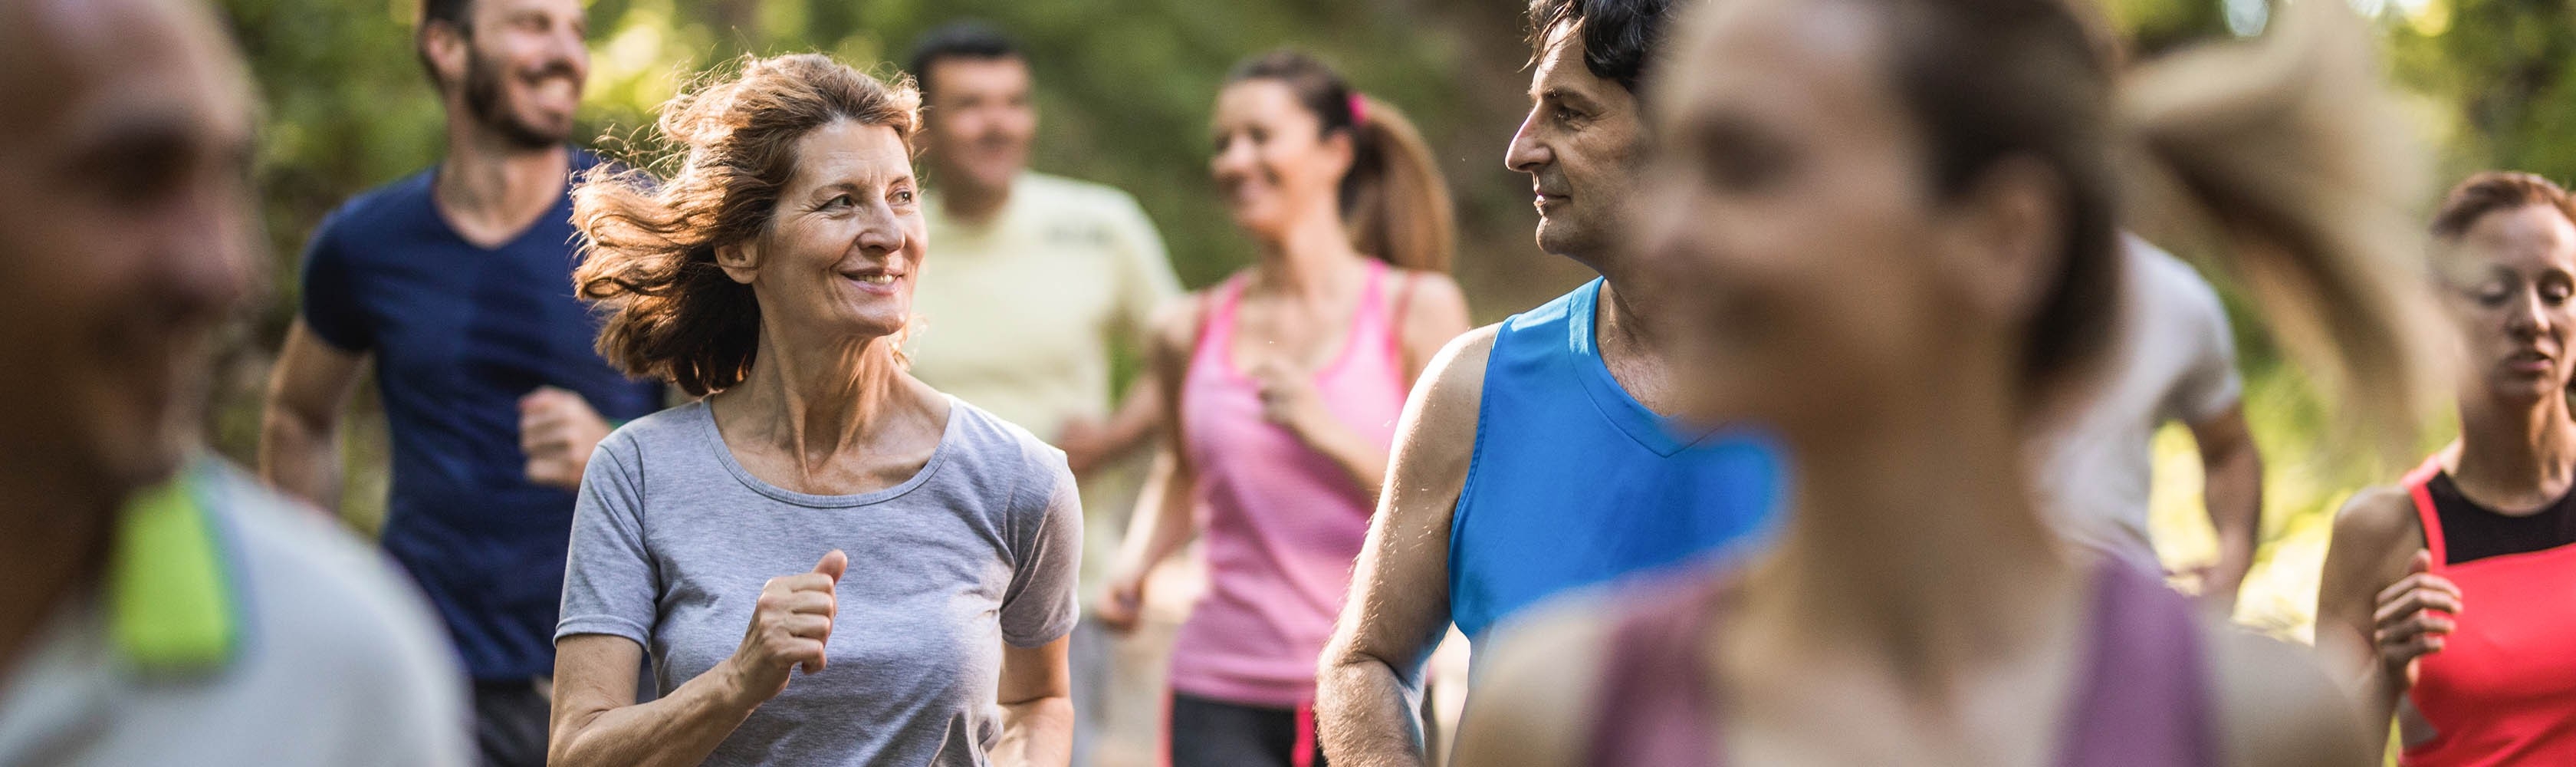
x,y
1574,483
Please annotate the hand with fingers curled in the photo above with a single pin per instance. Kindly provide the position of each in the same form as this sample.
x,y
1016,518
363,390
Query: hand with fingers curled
x,y
790,626
1122,605
558,430
1289,397
2415,616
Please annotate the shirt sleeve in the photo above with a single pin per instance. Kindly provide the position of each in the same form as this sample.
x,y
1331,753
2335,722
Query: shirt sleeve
x,y
330,301
1041,605
2208,384
1146,280
608,574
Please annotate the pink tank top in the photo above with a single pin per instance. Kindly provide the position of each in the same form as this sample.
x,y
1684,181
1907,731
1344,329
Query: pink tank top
x,y
1281,523
2143,698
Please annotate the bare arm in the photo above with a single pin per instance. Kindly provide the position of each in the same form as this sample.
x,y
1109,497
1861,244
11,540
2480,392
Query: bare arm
x,y
1089,445
299,424
2278,707
2375,539
1163,519
598,722
1532,708
1371,673
2232,488
1036,695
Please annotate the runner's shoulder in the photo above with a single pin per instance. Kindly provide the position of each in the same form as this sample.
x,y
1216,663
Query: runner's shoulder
x,y
315,593
394,204
2377,518
2278,705
1452,388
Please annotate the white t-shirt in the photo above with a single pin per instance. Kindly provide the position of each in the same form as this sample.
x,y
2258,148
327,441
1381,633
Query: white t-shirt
x,y
338,662
2174,359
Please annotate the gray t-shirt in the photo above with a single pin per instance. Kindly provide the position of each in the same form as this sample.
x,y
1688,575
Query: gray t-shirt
x,y
672,540
2175,360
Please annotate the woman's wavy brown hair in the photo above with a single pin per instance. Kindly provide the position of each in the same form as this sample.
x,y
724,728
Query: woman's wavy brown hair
x,y
649,245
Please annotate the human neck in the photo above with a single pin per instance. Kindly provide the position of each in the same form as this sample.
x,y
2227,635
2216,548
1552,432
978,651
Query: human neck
x,y
53,544
970,203
1914,541
2525,455
817,400
1635,354
491,188
1307,260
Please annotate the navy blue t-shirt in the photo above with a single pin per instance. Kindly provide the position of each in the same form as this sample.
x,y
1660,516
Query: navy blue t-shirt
x,y
459,334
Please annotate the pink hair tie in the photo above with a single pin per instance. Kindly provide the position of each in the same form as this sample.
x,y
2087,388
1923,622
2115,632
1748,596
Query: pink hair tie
x,y
1359,108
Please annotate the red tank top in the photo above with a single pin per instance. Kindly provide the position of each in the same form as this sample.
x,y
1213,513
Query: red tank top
x,y
2502,691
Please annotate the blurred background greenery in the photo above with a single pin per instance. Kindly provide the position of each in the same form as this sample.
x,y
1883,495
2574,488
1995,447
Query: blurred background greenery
x,y
1124,87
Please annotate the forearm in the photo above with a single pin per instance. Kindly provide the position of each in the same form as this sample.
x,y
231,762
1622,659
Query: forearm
x,y
2233,492
1036,733
1139,415
1364,709
1363,461
1163,520
676,730
300,457
2380,688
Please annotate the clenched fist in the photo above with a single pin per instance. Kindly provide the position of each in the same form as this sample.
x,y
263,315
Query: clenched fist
x,y
790,626
558,431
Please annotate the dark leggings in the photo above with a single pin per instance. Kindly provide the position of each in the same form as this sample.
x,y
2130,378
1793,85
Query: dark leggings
x,y
1215,733
510,720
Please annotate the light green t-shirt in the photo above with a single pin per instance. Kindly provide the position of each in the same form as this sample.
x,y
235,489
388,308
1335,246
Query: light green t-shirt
x,y
1019,315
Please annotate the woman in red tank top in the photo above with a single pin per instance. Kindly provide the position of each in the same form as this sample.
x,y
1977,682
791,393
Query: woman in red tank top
x,y
2459,584
1901,218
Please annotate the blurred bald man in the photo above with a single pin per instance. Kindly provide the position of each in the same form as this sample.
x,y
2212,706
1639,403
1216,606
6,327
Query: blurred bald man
x,y
156,605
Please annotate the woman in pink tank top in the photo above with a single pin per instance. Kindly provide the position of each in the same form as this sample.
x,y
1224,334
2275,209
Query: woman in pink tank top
x,y
1901,219
1286,381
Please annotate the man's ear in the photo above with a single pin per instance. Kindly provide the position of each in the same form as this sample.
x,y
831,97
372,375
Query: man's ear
x,y
447,48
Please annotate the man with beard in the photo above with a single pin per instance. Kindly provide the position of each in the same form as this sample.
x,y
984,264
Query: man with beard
x,y
157,606
457,282
1040,277
1533,458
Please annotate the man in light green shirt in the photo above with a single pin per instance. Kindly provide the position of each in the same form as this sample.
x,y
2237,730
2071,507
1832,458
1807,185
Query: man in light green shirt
x,y
1037,279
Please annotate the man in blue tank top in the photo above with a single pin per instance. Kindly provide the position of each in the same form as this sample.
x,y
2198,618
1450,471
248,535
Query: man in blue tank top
x,y
457,282
1532,458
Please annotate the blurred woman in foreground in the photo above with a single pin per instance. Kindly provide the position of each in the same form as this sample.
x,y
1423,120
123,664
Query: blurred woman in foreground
x,y
2458,585
1901,214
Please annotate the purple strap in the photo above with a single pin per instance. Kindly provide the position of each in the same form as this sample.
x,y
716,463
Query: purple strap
x,y
2143,699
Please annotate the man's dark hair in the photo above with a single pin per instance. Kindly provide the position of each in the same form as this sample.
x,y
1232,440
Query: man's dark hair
x,y
456,14
1619,36
969,39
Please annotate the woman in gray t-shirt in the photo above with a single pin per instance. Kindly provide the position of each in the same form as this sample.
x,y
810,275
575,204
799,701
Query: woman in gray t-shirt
x,y
829,562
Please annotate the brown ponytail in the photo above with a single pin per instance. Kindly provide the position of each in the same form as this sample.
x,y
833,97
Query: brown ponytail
x,y
1394,201
2293,150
